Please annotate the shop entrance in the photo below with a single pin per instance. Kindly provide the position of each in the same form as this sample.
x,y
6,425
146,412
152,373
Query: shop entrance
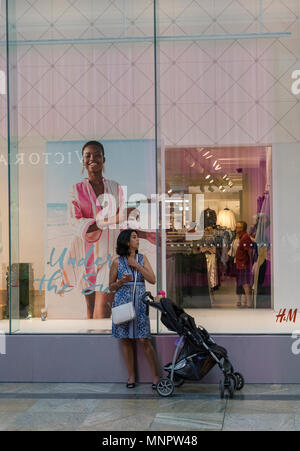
x,y
218,226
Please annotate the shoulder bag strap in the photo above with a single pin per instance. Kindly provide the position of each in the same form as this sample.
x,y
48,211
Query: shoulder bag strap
x,y
135,277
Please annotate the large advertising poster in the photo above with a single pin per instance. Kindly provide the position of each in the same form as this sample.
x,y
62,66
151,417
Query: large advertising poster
x,y
129,164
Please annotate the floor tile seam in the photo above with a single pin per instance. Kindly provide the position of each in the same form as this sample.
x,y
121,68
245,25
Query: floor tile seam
x,y
224,415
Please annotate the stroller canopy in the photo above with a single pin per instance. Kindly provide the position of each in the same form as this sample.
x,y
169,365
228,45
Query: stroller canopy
x,y
175,318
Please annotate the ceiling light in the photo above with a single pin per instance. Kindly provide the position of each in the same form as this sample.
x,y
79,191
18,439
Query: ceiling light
x,y
206,153
207,177
209,156
211,181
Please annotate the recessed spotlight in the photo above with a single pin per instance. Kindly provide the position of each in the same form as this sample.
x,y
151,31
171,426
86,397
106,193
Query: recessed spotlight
x,y
207,177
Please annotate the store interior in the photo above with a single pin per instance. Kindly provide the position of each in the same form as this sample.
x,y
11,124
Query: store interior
x,y
210,190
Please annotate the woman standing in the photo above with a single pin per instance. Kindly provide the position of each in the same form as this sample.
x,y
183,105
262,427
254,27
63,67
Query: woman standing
x,y
121,280
96,212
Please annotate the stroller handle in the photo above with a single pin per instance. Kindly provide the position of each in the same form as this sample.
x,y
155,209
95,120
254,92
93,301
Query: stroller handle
x,y
144,299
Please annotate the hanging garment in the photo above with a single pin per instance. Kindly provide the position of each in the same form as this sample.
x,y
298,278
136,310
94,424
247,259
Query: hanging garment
x,y
212,270
262,239
211,246
223,238
226,218
208,218
234,246
191,278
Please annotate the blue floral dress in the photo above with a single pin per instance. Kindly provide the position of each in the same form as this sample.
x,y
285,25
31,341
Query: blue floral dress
x,y
140,326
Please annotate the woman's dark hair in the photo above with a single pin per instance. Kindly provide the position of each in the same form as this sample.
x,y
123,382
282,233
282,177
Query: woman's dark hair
x,y
244,224
122,242
96,144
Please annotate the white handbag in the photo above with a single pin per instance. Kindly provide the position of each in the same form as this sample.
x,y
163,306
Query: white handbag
x,y
125,312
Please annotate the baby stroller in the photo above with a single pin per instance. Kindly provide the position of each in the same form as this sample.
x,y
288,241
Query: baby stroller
x,y
196,352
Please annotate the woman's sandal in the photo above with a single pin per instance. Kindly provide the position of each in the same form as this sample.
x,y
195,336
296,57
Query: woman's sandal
x,y
154,385
130,385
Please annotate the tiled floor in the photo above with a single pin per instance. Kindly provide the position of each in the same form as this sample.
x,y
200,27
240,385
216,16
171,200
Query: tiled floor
x,y
112,407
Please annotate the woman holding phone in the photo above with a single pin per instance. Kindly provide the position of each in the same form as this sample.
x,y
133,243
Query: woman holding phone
x,y
121,281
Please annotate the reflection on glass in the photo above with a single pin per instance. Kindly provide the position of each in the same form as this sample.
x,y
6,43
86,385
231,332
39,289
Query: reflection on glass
x,y
79,72
218,247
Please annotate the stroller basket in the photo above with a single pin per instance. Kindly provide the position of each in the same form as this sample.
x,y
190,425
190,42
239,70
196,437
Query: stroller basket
x,y
192,368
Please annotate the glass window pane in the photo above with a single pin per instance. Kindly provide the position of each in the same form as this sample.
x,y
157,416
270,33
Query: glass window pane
x,y
82,72
4,247
227,114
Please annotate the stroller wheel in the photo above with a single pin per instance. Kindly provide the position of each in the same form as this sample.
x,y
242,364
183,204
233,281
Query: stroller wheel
x,y
165,387
240,381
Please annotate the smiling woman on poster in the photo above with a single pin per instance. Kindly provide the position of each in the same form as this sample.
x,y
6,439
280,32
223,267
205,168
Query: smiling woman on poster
x,y
97,214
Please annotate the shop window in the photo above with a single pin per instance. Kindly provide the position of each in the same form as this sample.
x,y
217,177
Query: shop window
x,y
218,198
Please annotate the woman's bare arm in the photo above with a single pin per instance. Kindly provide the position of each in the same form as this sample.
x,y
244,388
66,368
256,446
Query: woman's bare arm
x,y
145,270
113,276
114,282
